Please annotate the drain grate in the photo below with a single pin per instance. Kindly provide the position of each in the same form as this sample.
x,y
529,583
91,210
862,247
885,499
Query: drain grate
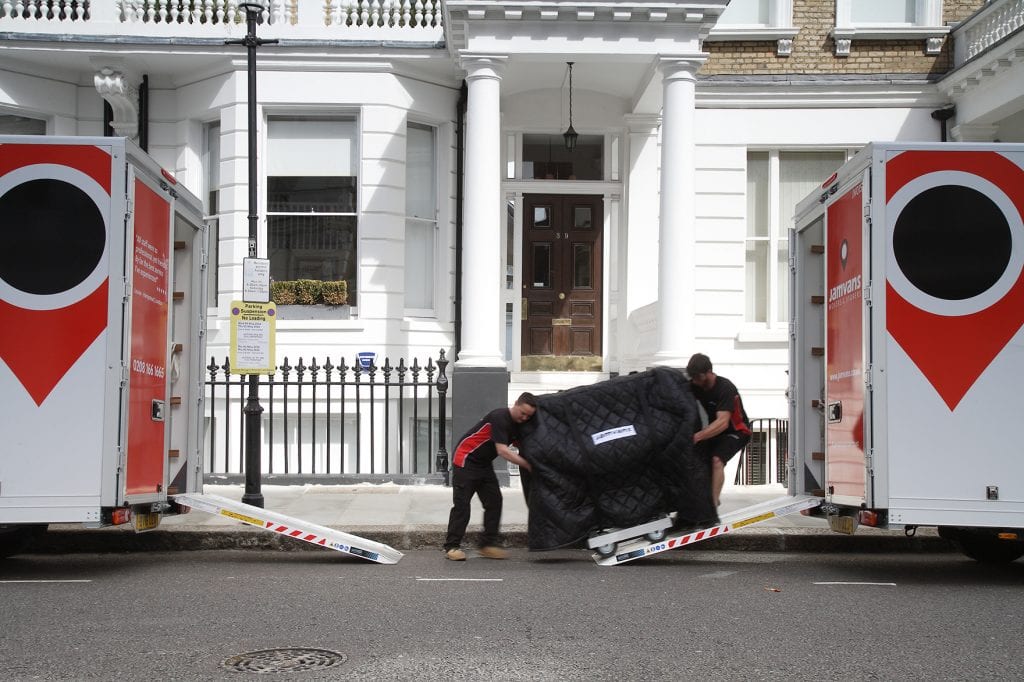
x,y
287,660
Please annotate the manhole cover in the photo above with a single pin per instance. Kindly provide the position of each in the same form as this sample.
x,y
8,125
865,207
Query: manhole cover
x,y
288,660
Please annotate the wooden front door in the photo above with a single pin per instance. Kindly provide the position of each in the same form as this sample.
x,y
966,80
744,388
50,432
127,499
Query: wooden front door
x,y
562,282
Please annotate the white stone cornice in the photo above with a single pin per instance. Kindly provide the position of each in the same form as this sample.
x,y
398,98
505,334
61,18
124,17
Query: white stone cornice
x,y
117,86
522,24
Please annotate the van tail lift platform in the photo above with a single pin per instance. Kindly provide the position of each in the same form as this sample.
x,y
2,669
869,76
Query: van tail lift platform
x,y
312,533
612,550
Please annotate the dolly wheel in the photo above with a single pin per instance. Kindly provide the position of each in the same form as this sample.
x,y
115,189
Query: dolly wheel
x,y
606,550
656,536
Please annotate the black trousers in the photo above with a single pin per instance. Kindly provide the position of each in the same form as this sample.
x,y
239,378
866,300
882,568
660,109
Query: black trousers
x,y
483,483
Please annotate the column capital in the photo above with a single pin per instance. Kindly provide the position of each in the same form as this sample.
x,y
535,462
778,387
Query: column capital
x,y
642,124
483,65
681,67
972,132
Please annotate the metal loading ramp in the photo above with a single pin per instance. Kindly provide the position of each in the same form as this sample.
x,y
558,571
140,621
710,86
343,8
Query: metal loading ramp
x,y
313,533
640,547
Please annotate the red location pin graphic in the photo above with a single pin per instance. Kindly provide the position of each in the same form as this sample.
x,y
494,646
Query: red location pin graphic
x,y
54,201
955,267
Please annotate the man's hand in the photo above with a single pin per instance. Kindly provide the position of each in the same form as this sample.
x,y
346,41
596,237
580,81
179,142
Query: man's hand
x,y
716,427
512,455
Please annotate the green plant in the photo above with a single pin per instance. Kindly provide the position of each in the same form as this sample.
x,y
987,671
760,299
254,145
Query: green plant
x,y
282,293
309,292
335,293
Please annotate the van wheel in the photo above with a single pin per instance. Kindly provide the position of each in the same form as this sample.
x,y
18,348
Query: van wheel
x,y
991,550
14,539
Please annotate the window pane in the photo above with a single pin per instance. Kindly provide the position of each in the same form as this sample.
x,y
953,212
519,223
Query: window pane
x,y
757,194
542,216
581,218
800,173
550,160
782,272
510,243
313,247
420,211
883,11
745,12
582,266
541,266
311,146
420,177
311,195
757,281
211,164
419,264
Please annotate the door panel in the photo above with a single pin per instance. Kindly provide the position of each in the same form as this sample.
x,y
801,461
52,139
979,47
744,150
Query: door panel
x,y
562,276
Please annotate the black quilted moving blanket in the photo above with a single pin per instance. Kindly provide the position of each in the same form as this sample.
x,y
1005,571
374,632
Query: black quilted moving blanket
x,y
613,455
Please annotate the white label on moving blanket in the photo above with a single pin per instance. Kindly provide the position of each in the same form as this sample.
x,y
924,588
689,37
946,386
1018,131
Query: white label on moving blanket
x,y
614,434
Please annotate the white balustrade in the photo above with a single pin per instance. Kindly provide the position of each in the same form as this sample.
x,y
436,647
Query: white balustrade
x,y
986,28
392,20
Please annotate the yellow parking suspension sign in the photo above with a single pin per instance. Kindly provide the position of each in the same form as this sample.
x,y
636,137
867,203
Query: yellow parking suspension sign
x,y
253,330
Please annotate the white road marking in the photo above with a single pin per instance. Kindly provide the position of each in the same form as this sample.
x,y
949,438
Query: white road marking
x,y
718,574
838,582
45,581
461,580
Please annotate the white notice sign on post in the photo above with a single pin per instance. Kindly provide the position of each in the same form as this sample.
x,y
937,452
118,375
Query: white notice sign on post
x,y
256,280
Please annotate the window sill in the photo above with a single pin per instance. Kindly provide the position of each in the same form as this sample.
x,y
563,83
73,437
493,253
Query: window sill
x,y
783,36
422,324
734,33
314,312
934,36
762,335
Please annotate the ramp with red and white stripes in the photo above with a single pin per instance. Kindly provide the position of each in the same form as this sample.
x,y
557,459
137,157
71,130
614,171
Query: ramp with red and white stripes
x,y
641,547
313,533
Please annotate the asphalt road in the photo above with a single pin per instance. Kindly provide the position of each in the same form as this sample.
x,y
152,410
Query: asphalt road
x,y
682,615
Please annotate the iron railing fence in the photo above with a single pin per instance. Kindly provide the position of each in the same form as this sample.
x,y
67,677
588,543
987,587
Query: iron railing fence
x,y
333,422
765,458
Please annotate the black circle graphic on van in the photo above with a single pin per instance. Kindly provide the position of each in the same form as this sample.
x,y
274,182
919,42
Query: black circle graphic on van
x,y
952,242
53,236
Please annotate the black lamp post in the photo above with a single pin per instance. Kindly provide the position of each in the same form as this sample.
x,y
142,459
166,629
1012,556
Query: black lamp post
x,y
253,410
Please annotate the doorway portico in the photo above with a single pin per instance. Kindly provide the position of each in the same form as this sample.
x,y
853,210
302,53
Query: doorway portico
x,y
564,284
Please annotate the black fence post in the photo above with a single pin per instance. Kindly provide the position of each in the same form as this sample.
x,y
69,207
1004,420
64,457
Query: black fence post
x,y
442,394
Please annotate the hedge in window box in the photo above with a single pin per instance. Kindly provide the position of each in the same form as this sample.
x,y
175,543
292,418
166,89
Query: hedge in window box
x,y
334,293
309,292
282,293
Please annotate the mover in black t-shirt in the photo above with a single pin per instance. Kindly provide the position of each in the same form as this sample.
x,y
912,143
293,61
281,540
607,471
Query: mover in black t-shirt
x,y
728,429
473,474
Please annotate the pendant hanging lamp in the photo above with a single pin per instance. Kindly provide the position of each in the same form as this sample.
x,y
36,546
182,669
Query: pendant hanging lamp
x,y
570,135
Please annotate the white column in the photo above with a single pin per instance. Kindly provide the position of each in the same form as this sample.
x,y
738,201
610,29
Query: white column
x,y
677,232
640,284
483,314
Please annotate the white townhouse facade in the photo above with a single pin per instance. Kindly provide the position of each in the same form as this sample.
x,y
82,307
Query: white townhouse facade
x,y
415,150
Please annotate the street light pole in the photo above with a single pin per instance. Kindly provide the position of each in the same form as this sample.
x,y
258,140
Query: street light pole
x,y
253,410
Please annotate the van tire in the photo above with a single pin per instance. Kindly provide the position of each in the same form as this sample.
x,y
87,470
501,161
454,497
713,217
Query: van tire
x,y
14,539
991,550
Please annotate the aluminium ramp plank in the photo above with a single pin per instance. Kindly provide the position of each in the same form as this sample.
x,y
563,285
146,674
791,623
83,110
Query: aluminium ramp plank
x,y
313,533
748,516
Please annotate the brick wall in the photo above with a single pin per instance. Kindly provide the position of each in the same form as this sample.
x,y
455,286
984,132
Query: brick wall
x,y
814,49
